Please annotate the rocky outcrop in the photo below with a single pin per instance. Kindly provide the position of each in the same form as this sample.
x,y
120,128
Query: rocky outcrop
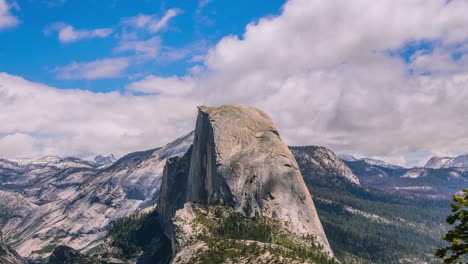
x,y
239,159
8,255
218,234
319,164
173,190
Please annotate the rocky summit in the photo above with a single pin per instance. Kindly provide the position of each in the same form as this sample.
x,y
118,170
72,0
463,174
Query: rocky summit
x,y
239,160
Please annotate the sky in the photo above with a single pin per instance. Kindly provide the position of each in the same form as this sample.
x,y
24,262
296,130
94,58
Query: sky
x,y
385,79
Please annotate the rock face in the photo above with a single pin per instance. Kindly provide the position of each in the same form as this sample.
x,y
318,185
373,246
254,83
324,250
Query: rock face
x,y
8,255
238,158
173,190
320,164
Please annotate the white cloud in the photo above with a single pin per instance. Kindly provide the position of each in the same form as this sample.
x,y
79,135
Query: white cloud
x,y
151,23
320,69
134,47
439,61
68,34
149,48
40,120
172,86
18,145
98,69
7,20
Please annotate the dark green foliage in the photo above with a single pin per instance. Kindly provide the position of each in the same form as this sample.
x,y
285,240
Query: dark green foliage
x,y
412,232
124,235
46,249
220,250
134,234
229,232
458,236
237,226
67,255
408,228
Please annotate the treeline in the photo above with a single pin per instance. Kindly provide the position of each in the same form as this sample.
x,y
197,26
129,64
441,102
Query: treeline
x,y
414,230
237,226
233,236
132,234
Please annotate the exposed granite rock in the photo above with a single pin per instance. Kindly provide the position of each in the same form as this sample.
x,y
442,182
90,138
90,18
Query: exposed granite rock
x,y
173,190
8,255
318,164
238,158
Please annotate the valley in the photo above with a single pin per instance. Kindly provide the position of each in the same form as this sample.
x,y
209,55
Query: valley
x,y
371,211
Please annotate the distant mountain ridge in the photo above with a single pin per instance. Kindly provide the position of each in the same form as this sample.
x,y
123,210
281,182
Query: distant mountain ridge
x,y
447,162
70,201
46,200
370,161
105,160
324,164
427,183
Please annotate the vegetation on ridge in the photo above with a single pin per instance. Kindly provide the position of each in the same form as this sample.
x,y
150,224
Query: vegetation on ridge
x,y
458,236
367,225
234,237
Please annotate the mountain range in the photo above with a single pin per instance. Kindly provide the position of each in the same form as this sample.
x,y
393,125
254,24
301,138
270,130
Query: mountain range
x,y
56,201
447,162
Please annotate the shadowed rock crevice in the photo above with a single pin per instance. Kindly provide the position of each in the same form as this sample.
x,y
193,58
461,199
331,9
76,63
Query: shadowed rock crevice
x,y
173,190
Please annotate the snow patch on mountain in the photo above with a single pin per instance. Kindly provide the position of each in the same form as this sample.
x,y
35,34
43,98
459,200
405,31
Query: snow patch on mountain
x,y
414,173
381,163
347,157
370,161
447,162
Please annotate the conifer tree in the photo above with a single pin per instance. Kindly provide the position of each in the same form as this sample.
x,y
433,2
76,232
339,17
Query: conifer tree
x,y
458,236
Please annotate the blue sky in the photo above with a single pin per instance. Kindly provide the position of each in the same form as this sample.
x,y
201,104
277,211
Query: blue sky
x,y
385,83
30,52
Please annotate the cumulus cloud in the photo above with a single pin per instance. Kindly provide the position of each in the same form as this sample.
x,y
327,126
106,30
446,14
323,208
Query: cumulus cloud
x,y
98,69
7,19
323,70
40,120
68,34
18,144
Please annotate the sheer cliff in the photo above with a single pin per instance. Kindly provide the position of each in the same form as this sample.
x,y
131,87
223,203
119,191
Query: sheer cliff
x,y
239,160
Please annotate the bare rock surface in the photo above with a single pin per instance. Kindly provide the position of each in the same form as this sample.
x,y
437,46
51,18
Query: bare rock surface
x,y
238,158
8,255
67,201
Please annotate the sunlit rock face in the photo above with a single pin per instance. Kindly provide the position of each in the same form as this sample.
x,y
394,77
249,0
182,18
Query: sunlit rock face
x,y
238,158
